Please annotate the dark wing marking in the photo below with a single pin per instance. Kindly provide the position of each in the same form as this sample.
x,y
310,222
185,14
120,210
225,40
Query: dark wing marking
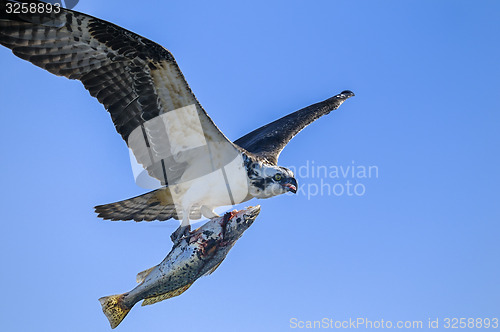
x,y
134,78
268,141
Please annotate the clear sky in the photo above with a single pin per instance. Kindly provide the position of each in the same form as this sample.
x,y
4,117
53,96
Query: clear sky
x,y
419,239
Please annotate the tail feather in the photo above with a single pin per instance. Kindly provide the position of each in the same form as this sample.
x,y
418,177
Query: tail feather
x,y
155,205
113,308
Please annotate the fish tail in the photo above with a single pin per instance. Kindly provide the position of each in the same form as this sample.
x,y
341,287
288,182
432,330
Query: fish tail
x,y
114,309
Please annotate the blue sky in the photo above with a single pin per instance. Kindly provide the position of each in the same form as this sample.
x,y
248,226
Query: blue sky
x,y
421,242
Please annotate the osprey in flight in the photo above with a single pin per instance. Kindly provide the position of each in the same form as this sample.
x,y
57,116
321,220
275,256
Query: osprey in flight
x,y
158,116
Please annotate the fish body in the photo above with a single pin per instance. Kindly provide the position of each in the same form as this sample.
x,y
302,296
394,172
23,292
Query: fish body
x,y
192,257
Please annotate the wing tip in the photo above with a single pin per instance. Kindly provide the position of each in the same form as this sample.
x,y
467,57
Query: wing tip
x,y
346,94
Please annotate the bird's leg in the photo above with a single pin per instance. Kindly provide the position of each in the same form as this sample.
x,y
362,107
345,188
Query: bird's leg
x,y
183,230
208,212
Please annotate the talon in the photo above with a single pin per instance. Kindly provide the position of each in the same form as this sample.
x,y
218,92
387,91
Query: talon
x,y
182,231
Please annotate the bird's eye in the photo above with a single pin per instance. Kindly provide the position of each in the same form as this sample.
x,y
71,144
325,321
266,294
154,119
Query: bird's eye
x,y
277,177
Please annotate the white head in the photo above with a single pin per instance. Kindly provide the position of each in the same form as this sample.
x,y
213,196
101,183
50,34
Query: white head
x,y
269,180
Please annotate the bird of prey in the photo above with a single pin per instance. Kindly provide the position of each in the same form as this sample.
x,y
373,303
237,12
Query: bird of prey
x,y
156,113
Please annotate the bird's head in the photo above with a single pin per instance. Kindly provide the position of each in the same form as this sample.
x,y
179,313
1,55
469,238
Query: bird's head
x,y
269,180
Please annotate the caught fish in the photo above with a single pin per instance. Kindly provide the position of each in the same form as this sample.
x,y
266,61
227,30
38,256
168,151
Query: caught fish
x,y
193,256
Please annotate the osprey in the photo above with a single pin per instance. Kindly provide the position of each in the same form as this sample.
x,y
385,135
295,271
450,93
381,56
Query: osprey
x,y
158,116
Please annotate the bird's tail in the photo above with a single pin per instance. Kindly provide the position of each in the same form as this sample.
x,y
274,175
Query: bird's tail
x,y
114,309
155,205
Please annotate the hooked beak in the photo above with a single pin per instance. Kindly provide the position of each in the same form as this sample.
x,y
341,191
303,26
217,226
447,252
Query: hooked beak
x,y
291,185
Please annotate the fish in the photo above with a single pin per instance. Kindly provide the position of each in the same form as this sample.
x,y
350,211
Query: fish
x,y
193,256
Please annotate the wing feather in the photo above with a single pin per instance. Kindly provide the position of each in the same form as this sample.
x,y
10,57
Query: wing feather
x,y
134,78
268,141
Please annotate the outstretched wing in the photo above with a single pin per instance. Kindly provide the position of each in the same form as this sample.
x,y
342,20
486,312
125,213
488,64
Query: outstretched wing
x,y
268,141
137,81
